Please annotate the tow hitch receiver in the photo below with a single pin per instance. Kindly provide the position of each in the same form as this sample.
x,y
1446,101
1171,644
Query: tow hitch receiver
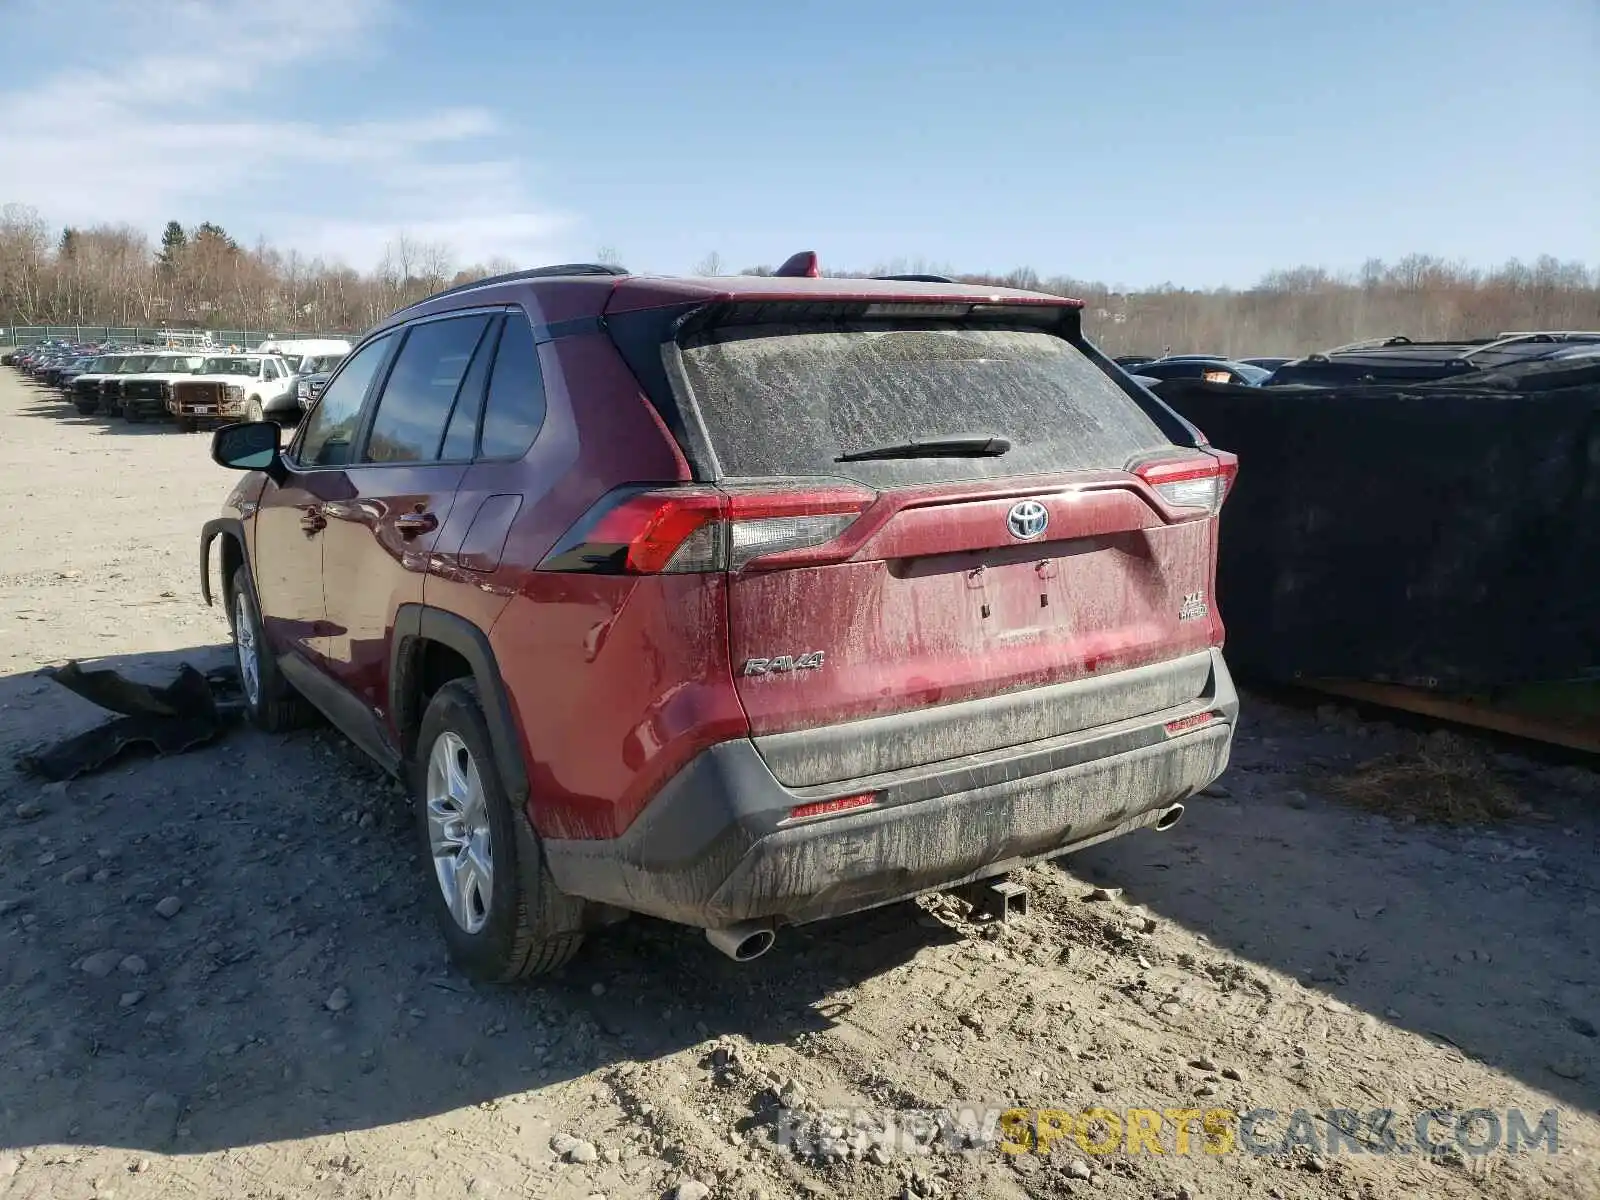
x,y
1004,901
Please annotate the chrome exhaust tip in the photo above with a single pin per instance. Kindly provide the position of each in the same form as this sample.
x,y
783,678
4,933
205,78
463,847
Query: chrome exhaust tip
x,y
1169,818
745,941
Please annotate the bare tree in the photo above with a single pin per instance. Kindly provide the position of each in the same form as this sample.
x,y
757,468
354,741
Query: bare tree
x,y
105,275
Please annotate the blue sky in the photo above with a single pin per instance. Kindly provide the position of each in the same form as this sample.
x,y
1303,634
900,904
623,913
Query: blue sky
x,y
1194,141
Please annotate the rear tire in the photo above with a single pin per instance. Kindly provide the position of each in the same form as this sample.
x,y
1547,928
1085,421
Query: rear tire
x,y
500,929
272,703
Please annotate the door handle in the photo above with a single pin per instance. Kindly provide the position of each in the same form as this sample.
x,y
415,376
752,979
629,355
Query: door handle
x,y
312,520
412,523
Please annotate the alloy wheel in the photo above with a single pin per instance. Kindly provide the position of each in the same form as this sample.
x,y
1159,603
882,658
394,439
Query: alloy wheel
x,y
458,832
244,645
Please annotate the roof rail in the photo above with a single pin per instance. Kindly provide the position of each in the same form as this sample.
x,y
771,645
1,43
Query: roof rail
x,y
1398,339
1558,335
1547,336
915,278
555,272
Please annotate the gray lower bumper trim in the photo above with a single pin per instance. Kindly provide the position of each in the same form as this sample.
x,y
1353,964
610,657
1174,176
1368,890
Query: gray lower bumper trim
x,y
715,846
810,757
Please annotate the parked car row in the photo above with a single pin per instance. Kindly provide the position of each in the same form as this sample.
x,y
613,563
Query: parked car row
x,y
1387,360
191,386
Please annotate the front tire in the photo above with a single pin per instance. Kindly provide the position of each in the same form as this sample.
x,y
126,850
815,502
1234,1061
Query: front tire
x,y
490,892
272,704
133,413
253,409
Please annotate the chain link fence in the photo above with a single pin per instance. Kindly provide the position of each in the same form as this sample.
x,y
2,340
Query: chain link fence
x,y
28,335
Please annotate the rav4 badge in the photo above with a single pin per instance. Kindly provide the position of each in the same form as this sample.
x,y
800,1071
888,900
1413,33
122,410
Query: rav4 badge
x,y
783,664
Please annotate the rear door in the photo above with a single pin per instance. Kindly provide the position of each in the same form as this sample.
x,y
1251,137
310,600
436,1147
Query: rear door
x,y
494,425
963,576
396,497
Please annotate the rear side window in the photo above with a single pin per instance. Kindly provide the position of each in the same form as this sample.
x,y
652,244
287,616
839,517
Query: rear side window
x,y
514,410
421,390
462,432
330,427
787,400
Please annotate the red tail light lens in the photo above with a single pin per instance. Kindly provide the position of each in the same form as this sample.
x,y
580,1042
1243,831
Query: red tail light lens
x,y
1192,483
1185,724
827,808
677,530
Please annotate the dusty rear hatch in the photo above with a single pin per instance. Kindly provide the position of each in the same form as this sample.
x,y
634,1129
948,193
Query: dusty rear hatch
x,y
930,503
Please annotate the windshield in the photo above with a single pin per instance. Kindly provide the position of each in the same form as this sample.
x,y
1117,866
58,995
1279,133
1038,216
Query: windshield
x,y
128,366
172,364
788,400
230,366
318,364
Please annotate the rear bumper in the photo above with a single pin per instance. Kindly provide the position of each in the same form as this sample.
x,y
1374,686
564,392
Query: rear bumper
x,y
716,846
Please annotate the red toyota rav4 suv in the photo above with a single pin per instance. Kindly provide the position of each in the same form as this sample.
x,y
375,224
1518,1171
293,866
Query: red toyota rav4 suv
x,y
740,602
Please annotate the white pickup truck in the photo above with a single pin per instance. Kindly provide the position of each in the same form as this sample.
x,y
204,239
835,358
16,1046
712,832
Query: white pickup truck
x,y
232,385
148,392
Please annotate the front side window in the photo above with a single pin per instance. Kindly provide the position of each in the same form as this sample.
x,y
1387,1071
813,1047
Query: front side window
x,y
330,427
421,390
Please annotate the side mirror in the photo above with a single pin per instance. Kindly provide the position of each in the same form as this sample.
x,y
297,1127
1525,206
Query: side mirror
x,y
250,446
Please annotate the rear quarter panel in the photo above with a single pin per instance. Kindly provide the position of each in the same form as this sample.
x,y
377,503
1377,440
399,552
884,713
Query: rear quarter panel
x,y
609,679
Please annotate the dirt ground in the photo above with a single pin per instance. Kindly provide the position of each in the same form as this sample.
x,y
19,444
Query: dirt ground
x,y
292,1029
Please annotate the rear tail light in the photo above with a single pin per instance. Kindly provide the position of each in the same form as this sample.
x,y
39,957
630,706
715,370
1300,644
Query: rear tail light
x,y
681,530
1193,483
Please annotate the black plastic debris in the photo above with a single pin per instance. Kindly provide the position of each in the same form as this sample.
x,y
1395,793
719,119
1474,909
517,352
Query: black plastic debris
x,y
190,711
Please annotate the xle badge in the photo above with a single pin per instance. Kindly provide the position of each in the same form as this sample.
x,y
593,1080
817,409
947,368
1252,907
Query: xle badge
x,y
783,664
1193,606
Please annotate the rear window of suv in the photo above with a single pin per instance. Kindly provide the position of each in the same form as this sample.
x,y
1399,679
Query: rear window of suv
x,y
786,400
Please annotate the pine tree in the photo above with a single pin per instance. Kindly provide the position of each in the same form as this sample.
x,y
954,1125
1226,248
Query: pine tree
x,y
173,243
213,233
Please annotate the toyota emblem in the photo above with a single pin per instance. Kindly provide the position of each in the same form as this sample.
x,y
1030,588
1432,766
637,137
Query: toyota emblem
x,y
1027,520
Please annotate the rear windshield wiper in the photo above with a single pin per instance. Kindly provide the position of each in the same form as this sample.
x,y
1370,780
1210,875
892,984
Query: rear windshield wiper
x,y
945,447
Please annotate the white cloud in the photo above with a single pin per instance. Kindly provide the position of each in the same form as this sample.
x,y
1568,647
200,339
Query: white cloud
x,y
187,123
